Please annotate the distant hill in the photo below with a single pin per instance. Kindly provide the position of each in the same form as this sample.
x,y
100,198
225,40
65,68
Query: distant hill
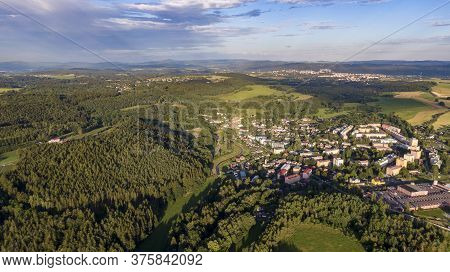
x,y
398,68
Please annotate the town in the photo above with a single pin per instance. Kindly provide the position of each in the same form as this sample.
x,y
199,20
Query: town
x,y
321,73
376,158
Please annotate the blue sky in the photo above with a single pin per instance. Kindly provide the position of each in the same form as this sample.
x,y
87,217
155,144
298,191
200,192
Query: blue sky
x,y
289,30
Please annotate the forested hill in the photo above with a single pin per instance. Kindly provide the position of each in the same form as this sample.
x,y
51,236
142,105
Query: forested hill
x,y
258,215
98,193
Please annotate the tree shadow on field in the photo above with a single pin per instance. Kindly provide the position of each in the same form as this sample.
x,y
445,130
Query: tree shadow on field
x,y
287,247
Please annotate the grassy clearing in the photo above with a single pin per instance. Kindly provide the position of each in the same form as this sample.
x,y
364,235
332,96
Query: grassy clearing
x,y
443,120
328,113
137,107
90,133
8,161
407,108
9,158
253,91
424,116
250,92
426,98
434,213
442,89
318,238
4,90
227,155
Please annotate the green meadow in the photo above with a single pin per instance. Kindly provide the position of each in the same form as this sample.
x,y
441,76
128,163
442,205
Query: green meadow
x,y
318,238
443,120
434,213
405,108
442,88
8,161
253,91
9,158
4,90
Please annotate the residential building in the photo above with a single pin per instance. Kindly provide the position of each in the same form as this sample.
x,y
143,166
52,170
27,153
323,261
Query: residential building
x,y
292,178
282,173
414,142
334,151
296,169
307,173
363,163
338,162
277,151
416,154
401,162
323,163
393,170
409,157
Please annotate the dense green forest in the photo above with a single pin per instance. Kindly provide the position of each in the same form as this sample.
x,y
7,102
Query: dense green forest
x,y
354,92
101,192
129,148
254,216
110,189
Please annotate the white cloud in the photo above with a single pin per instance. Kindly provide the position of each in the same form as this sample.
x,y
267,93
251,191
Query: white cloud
x,y
45,6
321,26
330,2
129,24
226,31
171,4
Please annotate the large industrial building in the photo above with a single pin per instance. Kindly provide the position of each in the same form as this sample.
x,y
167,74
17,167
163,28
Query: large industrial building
x,y
414,197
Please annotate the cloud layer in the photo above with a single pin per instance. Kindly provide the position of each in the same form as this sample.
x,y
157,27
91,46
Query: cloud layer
x,y
130,31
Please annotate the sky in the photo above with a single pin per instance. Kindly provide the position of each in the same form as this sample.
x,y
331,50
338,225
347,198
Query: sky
x,y
286,30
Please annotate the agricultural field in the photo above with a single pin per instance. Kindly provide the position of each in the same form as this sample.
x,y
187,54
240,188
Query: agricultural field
x,y
442,89
426,98
443,120
318,238
410,109
420,96
253,91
